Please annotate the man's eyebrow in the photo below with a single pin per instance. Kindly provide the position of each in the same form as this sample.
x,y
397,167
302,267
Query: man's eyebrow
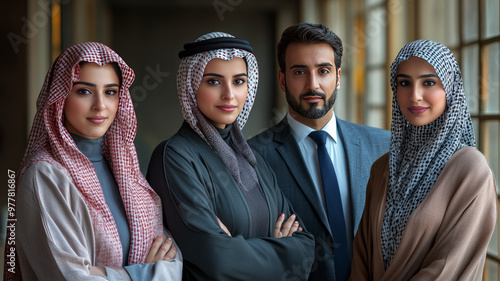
x,y
305,66
298,66
324,64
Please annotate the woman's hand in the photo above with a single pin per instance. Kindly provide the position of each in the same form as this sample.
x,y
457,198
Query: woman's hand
x,y
161,250
98,271
224,227
286,229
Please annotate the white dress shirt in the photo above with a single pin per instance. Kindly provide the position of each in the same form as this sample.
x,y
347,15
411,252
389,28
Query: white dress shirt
x,y
336,151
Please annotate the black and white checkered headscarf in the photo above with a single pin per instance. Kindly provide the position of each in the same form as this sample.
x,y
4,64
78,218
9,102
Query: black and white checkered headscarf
x,y
418,153
189,77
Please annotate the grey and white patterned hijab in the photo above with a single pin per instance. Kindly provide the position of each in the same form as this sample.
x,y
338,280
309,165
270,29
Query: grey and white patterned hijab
x,y
417,154
189,77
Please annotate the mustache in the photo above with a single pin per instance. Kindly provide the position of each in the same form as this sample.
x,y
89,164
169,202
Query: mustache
x,y
312,93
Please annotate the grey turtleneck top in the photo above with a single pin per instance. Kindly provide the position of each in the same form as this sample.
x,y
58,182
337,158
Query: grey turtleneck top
x,y
92,149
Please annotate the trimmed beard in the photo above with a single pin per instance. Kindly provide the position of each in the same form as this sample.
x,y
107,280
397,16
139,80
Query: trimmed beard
x,y
313,112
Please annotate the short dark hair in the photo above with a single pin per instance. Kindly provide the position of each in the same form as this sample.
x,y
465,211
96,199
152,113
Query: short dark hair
x,y
309,33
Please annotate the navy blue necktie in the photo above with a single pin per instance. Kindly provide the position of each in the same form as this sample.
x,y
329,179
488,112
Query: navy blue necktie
x,y
333,207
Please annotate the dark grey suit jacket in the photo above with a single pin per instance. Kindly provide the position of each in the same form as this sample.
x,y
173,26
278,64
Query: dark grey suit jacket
x,y
362,144
196,187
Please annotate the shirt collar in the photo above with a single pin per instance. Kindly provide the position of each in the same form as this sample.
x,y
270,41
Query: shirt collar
x,y
301,131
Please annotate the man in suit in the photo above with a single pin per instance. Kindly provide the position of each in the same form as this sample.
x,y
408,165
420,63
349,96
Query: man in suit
x,y
309,57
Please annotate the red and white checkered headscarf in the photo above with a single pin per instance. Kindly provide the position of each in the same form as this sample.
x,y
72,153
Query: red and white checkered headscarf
x,y
49,141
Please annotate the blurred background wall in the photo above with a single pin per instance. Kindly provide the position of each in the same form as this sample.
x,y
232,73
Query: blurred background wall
x,y
148,34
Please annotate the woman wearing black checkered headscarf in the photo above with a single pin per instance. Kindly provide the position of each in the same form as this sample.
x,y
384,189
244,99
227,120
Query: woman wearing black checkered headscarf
x,y
221,199
431,201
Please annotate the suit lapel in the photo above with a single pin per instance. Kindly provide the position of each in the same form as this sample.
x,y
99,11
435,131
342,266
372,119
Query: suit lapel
x,y
351,142
290,153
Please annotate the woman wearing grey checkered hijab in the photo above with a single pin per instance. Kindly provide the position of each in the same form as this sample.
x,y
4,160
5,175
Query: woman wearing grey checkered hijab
x,y
431,201
220,198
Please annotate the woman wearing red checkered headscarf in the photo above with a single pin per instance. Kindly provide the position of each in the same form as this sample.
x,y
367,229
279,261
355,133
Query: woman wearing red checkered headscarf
x,y
84,209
